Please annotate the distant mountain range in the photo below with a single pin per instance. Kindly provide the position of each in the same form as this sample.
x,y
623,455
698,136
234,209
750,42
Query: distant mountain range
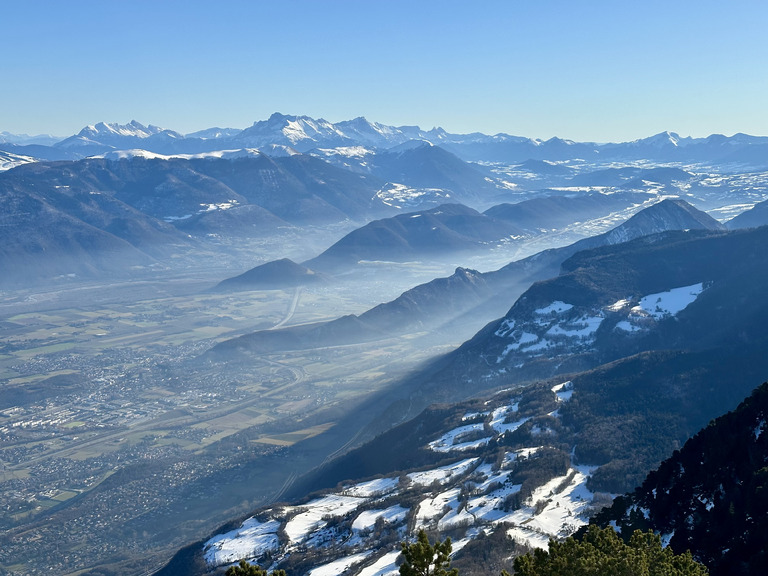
x,y
150,191
96,215
303,134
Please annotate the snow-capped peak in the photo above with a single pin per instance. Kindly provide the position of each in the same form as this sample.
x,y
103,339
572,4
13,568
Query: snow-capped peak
x,y
662,140
133,128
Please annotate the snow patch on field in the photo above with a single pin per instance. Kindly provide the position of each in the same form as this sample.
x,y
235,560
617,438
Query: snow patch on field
x,y
384,566
432,508
449,440
391,515
339,566
300,526
563,391
618,305
627,326
557,307
444,473
554,510
669,303
402,196
656,307
371,488
252,539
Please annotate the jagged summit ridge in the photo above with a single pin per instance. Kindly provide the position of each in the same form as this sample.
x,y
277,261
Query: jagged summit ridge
x,y
306,133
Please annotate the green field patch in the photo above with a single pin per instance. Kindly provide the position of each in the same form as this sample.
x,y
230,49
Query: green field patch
x,y
273,441
51,349
211,331
25,316
36,377
290,438
143,324
73,424
64,495
91,313
130,337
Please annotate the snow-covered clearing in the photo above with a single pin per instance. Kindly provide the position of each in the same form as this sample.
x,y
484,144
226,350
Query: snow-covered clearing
x,y
300,526
371,488
582,327
384,566
554,509
557,307
563,391
671,302
448,441
339,566
391,515
442,474
432,508
252,539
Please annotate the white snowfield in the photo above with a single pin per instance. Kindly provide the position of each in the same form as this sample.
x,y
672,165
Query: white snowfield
x,y
9,160
217,154
392,515
656,307
451,440
402,196
300,526
372,488
252,539
384,566
561,501
472,495
563,391
561,328
671,302
339,566
443,474
557,307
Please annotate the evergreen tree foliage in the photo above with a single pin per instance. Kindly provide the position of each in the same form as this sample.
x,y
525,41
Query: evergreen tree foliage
x,y
425,559
603,553
711,496
246,569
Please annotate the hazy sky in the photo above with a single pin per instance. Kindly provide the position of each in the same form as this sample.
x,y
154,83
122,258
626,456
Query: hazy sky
x,y
586,70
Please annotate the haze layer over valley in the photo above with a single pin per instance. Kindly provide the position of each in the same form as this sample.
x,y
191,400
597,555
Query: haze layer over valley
x,y
192,323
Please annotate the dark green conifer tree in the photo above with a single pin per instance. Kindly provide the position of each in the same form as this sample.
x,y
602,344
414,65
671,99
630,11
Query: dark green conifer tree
x,y
603,553
425,559
246,569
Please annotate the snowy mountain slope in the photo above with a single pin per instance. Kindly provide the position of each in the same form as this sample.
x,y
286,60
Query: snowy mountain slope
x,y
417,173
504,464
472,489
449,228
655,292
140,199
304,133
560,210
103,136
26,139
9,160
752,218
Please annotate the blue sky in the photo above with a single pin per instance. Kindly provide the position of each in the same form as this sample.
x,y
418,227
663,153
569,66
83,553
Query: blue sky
x,y
586,70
